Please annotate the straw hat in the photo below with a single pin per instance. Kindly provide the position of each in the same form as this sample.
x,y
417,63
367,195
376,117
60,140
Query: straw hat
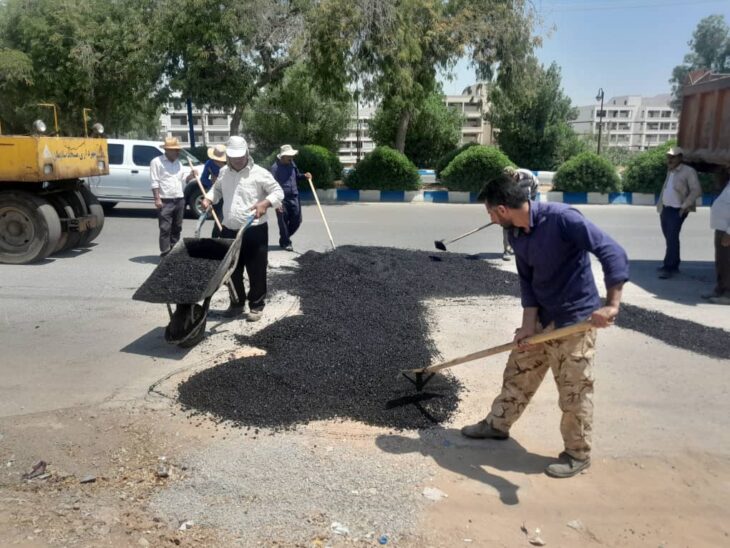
x,y
218,152
171,143
287,150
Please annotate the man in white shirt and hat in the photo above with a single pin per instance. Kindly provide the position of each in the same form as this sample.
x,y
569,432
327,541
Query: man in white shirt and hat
x,y
289,214
720,224
168,179
247,190
679,194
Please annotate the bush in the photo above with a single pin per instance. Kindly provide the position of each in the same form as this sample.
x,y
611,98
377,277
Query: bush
x,y
646,172
384,169
474,167
319,162
587,172
445,160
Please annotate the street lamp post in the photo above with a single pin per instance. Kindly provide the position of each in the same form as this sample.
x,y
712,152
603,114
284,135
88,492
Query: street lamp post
x,y
599,97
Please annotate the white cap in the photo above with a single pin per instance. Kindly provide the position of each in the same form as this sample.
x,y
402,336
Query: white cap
x,y
675,151
236,147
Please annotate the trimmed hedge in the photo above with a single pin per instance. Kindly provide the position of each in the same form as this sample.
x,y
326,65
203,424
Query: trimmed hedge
x,y
587,172
473,167
320,162
445,160
384,169
646,171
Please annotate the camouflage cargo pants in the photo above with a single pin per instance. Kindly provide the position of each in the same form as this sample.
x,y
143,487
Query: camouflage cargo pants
x,y
571,361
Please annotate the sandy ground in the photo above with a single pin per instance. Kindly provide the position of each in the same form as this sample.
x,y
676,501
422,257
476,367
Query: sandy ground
x,y
660,474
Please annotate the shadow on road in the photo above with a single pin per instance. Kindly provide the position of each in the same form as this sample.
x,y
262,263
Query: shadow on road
x,y
146,259
695,278
451,451
142,211
153,344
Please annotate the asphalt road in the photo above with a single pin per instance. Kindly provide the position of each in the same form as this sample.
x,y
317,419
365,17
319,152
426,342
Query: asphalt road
x,y
71,335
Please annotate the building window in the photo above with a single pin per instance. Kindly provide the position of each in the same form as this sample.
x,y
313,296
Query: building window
x,y
666,114
179,120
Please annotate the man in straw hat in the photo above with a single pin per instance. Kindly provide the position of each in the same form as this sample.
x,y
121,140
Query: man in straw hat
x,y
168,179
216,160
246,190
289,214
679,194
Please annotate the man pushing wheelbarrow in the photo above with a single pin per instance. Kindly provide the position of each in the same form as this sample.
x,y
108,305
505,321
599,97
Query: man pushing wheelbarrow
x,y
246,189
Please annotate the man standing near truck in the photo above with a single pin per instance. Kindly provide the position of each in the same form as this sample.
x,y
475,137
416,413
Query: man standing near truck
x,y
679,194
246,190
552,243
720,224
168,180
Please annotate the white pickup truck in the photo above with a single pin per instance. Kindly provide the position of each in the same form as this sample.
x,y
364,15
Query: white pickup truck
x,y
129,174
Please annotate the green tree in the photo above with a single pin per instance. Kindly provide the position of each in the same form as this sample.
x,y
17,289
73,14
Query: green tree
x,y
434,131
295,112
710,49
222,53
587,172
77,54
532,117
391,50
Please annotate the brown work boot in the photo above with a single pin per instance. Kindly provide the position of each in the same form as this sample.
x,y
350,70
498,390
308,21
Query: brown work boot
x,y
567,467
483,430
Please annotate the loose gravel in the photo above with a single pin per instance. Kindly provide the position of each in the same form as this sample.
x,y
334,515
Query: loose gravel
x,y
363,321
185,275
288,494
685,334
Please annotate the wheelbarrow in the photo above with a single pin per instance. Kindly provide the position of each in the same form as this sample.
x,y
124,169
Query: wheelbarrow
x,y
187,278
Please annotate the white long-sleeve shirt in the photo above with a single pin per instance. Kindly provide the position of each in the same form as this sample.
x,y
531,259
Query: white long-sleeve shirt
x,y
241,190
720,211
169,177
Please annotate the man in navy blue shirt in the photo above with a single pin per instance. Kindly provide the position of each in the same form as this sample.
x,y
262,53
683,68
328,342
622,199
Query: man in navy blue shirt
x,y
552,243
289,214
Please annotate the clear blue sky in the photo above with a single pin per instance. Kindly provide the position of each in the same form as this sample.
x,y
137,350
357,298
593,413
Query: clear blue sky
x,y
626,47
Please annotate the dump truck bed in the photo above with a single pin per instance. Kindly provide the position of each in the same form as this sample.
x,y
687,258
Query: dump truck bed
x,y
35,159
704,124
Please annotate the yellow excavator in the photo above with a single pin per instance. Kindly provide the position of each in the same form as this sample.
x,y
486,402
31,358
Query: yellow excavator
x,y
45,208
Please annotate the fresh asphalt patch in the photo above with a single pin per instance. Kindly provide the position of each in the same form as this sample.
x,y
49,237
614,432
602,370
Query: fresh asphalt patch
x,y
363,321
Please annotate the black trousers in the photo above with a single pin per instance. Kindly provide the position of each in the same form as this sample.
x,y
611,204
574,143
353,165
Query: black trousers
x,y
170,220
254,257
722,266
289,220
671,221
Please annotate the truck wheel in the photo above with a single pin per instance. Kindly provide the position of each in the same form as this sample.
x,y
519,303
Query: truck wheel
x,y
29,228
68,240
95,209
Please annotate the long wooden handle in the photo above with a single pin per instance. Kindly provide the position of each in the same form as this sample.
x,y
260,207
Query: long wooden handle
x,y
469,233
535,339
202,189
316,199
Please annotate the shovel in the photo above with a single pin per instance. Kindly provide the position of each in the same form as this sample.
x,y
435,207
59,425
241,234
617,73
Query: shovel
x,y
440,244
424,374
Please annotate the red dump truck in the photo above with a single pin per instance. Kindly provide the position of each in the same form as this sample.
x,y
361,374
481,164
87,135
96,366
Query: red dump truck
x,y
704,124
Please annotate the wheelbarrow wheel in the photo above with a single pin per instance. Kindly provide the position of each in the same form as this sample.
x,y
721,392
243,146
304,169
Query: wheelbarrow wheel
x,y
187,325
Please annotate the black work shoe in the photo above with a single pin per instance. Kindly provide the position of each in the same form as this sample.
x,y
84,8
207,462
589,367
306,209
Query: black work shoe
x,y
665,274
567,467
289,248
233,311
482,430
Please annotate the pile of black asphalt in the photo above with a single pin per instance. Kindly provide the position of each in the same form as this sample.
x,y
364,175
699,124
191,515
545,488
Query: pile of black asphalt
x,y
363,321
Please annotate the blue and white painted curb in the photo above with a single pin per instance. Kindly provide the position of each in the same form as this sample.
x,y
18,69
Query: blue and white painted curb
x,y
452,197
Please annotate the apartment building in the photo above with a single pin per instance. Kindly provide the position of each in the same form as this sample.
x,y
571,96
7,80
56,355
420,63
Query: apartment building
x,y
473,105
630,121
357,136
210,126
